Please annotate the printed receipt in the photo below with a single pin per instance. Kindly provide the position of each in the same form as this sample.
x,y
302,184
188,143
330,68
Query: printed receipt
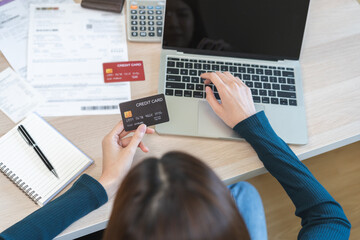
x,y
67,48
17,97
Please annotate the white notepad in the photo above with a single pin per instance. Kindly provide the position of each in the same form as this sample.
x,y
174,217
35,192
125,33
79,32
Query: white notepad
x,y
20,163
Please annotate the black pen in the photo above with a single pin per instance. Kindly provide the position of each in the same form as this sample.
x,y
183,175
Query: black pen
x,y
28,139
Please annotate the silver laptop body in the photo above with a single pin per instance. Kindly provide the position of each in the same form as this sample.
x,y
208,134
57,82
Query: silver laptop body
x,y
190,116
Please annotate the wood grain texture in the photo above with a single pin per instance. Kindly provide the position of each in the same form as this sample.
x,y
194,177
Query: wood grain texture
x,y
338,171
330,62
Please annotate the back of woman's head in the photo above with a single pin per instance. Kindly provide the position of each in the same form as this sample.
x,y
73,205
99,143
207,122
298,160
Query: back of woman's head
x,y
176,197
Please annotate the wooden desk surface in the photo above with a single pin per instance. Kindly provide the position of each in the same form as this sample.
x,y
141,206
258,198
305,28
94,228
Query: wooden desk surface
x,y
330,62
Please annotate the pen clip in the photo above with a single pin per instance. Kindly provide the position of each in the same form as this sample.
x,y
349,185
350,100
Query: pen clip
x,y
22,135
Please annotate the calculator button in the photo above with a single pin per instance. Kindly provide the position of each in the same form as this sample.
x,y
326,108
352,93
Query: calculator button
x,y
151,29
142,22
159,23
151,17
133,12
142,7
143,34
159,18
158,12
142,17
142,12
134,34
134,28
159,31
142,28
150,12
133,7
134,22
133,17
150,7
151,34
158,7
151,23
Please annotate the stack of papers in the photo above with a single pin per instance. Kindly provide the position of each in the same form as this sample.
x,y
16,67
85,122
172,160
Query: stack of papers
x,y
61,52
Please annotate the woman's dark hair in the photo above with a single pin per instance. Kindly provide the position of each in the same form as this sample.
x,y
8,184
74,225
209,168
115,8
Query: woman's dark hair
x,y
176,197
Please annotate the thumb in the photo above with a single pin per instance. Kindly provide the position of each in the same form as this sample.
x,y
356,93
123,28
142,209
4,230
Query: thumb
x,y
215,105
137,137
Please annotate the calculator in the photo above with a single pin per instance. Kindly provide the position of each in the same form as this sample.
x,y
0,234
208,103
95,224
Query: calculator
x,y
145,20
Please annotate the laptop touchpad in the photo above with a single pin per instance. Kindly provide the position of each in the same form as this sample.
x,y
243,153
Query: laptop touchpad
x,y
210,125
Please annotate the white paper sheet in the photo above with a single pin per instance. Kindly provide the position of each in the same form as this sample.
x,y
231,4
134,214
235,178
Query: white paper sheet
x,y
17,97
67,47
14,24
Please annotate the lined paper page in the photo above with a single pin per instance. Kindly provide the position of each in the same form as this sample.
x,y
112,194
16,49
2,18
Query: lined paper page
x,y
67,160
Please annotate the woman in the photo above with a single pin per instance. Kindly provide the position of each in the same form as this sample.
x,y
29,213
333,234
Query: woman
x,y
178,197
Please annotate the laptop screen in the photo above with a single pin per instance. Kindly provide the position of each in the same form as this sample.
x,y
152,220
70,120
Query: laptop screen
x,y
271,29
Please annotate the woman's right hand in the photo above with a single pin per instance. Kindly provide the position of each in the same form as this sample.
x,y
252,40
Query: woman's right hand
x,y
236,99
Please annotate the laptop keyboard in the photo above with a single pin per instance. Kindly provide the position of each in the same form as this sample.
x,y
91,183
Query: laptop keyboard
x,y
268,84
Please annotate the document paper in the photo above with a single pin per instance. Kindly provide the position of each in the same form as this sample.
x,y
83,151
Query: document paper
x,y
14,24
67,47
17,97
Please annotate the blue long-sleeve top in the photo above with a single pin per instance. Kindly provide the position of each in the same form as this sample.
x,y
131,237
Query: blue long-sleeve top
x,y
321,216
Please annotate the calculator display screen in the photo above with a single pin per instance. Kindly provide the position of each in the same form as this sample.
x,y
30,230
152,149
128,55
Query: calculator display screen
x,y
258,28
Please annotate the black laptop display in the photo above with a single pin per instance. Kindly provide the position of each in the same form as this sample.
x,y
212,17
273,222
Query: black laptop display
x,y
266,29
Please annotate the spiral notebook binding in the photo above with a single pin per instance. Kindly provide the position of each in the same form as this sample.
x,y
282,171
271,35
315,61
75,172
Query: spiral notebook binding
x,y
19,183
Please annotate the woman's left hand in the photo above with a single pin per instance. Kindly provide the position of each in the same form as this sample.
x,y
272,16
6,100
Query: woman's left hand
x,y
118,155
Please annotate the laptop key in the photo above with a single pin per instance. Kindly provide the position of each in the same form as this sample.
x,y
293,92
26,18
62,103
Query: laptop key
x,y
272,93
239,75
265,100
275,86
286,94
288,88
250,70
175,85
224,68
264,78
282,80
283,101
263,92
185,78
201,72
233,69
184,72
292,102
197,65
171,64
255,78
215,67
172,71
169,92
180,64
193,72
178,93
195,79
249,84
267,85
258,85
198,94
206,67
274,101
277,73
288,74
187,93
176,78
259,71
188,65
256,99
291,81
190,86
242,70
268,72
254,92
246,77
273,79
199,87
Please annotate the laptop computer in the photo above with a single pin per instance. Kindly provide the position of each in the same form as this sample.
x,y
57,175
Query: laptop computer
x,y
258,41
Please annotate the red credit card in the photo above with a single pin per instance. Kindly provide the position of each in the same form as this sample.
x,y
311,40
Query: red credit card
x,y
123,71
